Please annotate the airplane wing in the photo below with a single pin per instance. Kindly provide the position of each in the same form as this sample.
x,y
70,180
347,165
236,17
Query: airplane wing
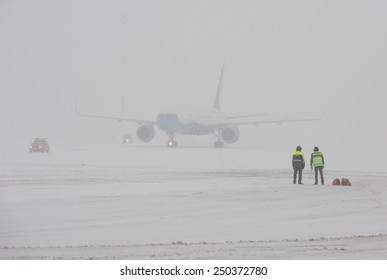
x,y
120,119
254,123
244,116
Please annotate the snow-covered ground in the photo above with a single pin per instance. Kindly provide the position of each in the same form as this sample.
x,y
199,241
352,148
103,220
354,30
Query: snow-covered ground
x,y
113,201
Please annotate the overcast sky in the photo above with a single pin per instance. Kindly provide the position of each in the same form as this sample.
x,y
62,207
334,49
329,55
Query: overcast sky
x,y
284,58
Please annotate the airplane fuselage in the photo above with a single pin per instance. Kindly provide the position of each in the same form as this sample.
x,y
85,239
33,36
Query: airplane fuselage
x,y
189,120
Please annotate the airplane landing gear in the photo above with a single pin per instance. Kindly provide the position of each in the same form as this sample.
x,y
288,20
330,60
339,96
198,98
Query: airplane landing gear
x,y
172,143
219,143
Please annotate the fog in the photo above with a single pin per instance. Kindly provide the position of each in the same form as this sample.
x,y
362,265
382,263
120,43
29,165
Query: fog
x,y
288,59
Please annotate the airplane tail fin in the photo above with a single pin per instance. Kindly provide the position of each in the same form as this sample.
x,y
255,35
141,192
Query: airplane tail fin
x,y
219,90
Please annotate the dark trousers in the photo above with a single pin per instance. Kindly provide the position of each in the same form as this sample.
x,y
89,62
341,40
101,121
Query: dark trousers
x,y
299,171
318,169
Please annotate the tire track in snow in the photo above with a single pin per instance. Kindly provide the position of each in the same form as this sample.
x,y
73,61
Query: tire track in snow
x,y
345,247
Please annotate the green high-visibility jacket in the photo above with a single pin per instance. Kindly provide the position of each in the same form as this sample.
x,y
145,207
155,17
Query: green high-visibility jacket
x,y
317,159
298,160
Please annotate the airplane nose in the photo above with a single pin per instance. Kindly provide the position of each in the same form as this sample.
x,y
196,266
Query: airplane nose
x,y
168,122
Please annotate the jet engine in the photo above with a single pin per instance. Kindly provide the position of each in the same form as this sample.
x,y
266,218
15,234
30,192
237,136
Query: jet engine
x,y
230,134
146,132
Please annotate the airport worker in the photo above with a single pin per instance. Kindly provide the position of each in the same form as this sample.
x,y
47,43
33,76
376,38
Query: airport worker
x,y
298,163
317,162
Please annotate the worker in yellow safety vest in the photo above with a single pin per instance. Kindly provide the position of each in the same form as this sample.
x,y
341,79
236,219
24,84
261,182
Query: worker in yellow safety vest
x,y
317,162
298,163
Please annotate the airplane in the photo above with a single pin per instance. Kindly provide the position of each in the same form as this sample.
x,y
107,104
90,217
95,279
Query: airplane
x,y
194,121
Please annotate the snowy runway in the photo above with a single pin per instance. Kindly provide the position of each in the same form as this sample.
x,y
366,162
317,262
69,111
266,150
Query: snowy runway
x,y
132,202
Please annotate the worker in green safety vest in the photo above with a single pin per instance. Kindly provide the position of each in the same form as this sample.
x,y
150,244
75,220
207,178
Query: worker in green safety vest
x,y
298,163
317,162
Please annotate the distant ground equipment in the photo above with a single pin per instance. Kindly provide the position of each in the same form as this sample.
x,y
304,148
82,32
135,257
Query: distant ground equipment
x,y
39,145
